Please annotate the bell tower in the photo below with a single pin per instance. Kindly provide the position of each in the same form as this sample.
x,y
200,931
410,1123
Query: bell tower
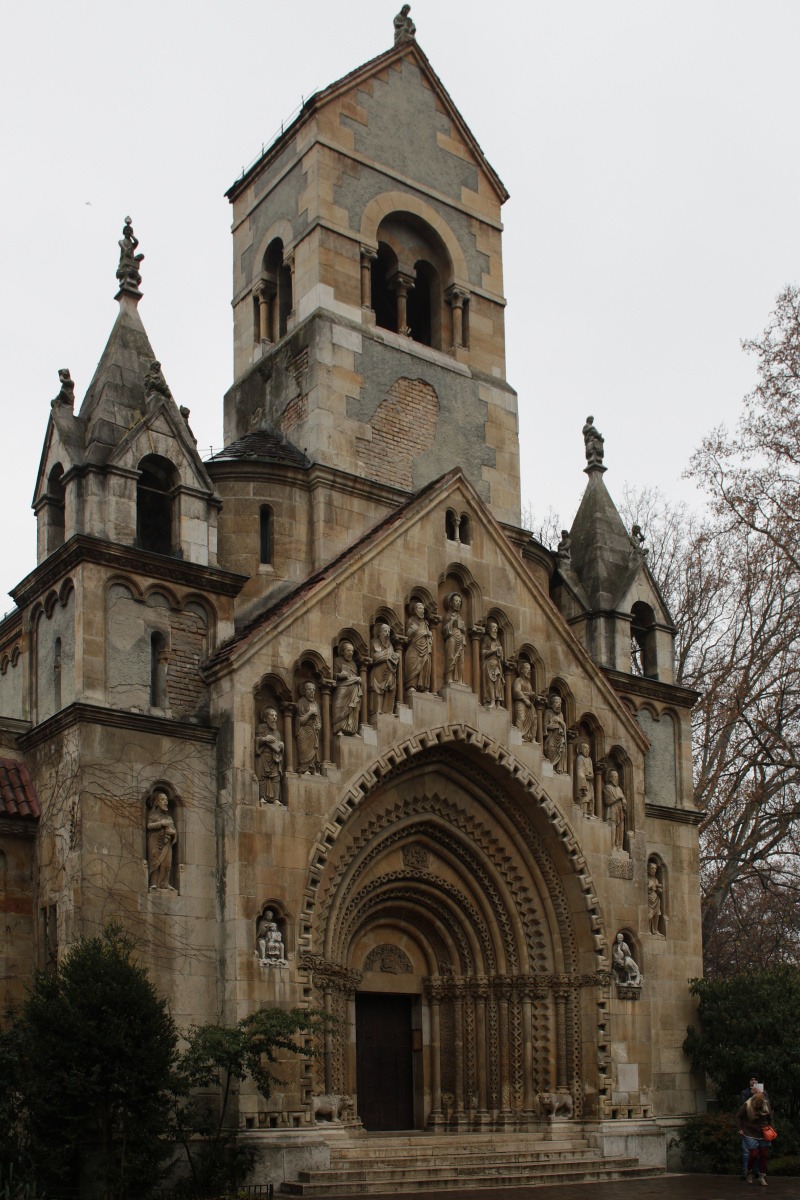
x,y
368,287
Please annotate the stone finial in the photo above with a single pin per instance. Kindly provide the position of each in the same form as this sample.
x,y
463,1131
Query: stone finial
x,y
593,441
154,382
128,269
67,394
404,27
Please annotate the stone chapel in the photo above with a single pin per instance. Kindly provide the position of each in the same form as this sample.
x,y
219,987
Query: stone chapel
x,y
316,719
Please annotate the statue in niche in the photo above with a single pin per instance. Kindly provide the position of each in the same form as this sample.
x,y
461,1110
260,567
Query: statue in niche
x,y
492,666
593,443
271,951
584,777
616,806
404,27
383,675
625,969
270,757
66,395
346,707
523,701
554,731
309,725
454,632
419,646
162,837
655,891
128,269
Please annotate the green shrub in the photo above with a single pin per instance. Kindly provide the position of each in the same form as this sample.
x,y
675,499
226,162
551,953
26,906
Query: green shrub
x,y
710,1144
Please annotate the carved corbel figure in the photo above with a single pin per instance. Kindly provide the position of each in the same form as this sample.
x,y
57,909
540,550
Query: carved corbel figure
x,y
269,757
454,632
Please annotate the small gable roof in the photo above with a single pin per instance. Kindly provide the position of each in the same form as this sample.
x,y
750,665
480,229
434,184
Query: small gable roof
x,y
407,48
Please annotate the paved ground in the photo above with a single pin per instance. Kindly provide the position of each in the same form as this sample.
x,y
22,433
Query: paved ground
x,y
661,1187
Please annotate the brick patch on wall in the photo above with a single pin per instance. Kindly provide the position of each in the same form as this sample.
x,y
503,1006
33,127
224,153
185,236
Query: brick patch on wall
x,y
403,426
187,648
295,412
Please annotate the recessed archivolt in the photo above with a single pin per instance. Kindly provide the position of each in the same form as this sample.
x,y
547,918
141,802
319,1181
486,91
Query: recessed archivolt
x,y
415,749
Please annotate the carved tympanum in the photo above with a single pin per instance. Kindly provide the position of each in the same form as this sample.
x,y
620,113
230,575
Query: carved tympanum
x,y
162,838
269,757
346,704
615,806
523,700
308,726
492,666
419,644
383,675
454,632
584,777
391,960
554,731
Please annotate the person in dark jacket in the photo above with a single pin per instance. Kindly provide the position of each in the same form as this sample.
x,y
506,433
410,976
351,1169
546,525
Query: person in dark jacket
x,y
751,1119
755,1085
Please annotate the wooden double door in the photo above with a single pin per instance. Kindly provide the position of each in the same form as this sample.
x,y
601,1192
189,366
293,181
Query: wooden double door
x,y
385,1065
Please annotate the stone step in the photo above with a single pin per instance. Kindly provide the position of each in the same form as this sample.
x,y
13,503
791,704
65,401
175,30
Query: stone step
x,y
370,1147
564,1174
458,1158
500,1167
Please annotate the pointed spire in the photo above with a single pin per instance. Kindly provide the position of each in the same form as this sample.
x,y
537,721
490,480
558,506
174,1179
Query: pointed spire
x,y
593,441
404,27
128,269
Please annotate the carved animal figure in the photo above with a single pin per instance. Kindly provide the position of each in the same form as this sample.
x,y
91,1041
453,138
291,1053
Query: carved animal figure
x,y
552,1102
330,1106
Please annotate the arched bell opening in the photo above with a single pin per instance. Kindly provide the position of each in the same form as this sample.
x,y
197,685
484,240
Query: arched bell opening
x,y
448,890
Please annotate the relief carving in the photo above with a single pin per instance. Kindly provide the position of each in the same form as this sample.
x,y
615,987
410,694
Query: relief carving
x,y
555,731
492,666
309,726
454,632
415,855
383,675
584,777
346,704
524,701
391,960
269,757
162,839
417,663
615,806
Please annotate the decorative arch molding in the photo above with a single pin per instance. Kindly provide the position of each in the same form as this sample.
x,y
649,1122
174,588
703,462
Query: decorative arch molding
x,y
413,749
389,203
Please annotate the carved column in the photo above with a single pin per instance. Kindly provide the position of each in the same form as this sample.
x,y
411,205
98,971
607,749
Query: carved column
x,y
561,996
475,635
363,668
288,735
327,1004
458,1037
399,645
527,1053
509,682
436,1116
265,292
482,1063
541,705
326,687
401,284
368,257
455,298
505,1115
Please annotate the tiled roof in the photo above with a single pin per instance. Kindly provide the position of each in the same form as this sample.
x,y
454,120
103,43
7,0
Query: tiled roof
x,y
263,445
17,794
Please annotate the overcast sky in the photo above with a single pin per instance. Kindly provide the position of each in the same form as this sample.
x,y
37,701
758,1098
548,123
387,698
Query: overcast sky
x,y
650,150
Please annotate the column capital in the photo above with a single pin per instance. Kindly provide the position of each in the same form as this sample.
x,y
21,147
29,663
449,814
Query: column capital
x,y
401,282
455,296
368,254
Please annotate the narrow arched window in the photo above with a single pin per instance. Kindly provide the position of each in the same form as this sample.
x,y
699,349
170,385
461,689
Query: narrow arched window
x,y
465,533
154,505
644,656
384,300
158,670
451,525
265,531
57,676
56,509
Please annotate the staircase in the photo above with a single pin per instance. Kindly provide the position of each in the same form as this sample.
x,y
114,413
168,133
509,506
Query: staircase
x,y
413,1162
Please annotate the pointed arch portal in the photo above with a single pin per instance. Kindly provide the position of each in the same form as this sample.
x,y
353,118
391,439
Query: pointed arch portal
x,y
451,924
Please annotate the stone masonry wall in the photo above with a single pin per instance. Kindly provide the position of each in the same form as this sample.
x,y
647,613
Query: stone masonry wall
x,y
403,426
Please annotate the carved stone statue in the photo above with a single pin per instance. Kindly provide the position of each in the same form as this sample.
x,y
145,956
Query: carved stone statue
x,y
271,951
404,27
655,891
523,701
625,969
154,382
270,757
309,724
383,674
554,731
419,644
637,539
346,706
565,545
128,269
584,777
593,442
67,394
492,667
454,632
162,837
615,806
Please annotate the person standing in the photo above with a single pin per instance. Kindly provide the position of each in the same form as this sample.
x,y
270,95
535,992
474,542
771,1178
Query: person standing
x,y
751,1118
755,1085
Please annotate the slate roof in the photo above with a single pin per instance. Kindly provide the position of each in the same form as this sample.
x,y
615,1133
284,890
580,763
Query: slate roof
x,y
17,794
603,557
263,445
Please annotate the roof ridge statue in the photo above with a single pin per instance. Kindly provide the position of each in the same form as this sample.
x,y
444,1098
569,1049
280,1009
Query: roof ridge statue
x,y
404,27
128,269
593,441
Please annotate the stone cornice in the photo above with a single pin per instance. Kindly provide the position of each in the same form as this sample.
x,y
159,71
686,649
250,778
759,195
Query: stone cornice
x,y
81,548
94,714
23,827
310,478
682,816
651,689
